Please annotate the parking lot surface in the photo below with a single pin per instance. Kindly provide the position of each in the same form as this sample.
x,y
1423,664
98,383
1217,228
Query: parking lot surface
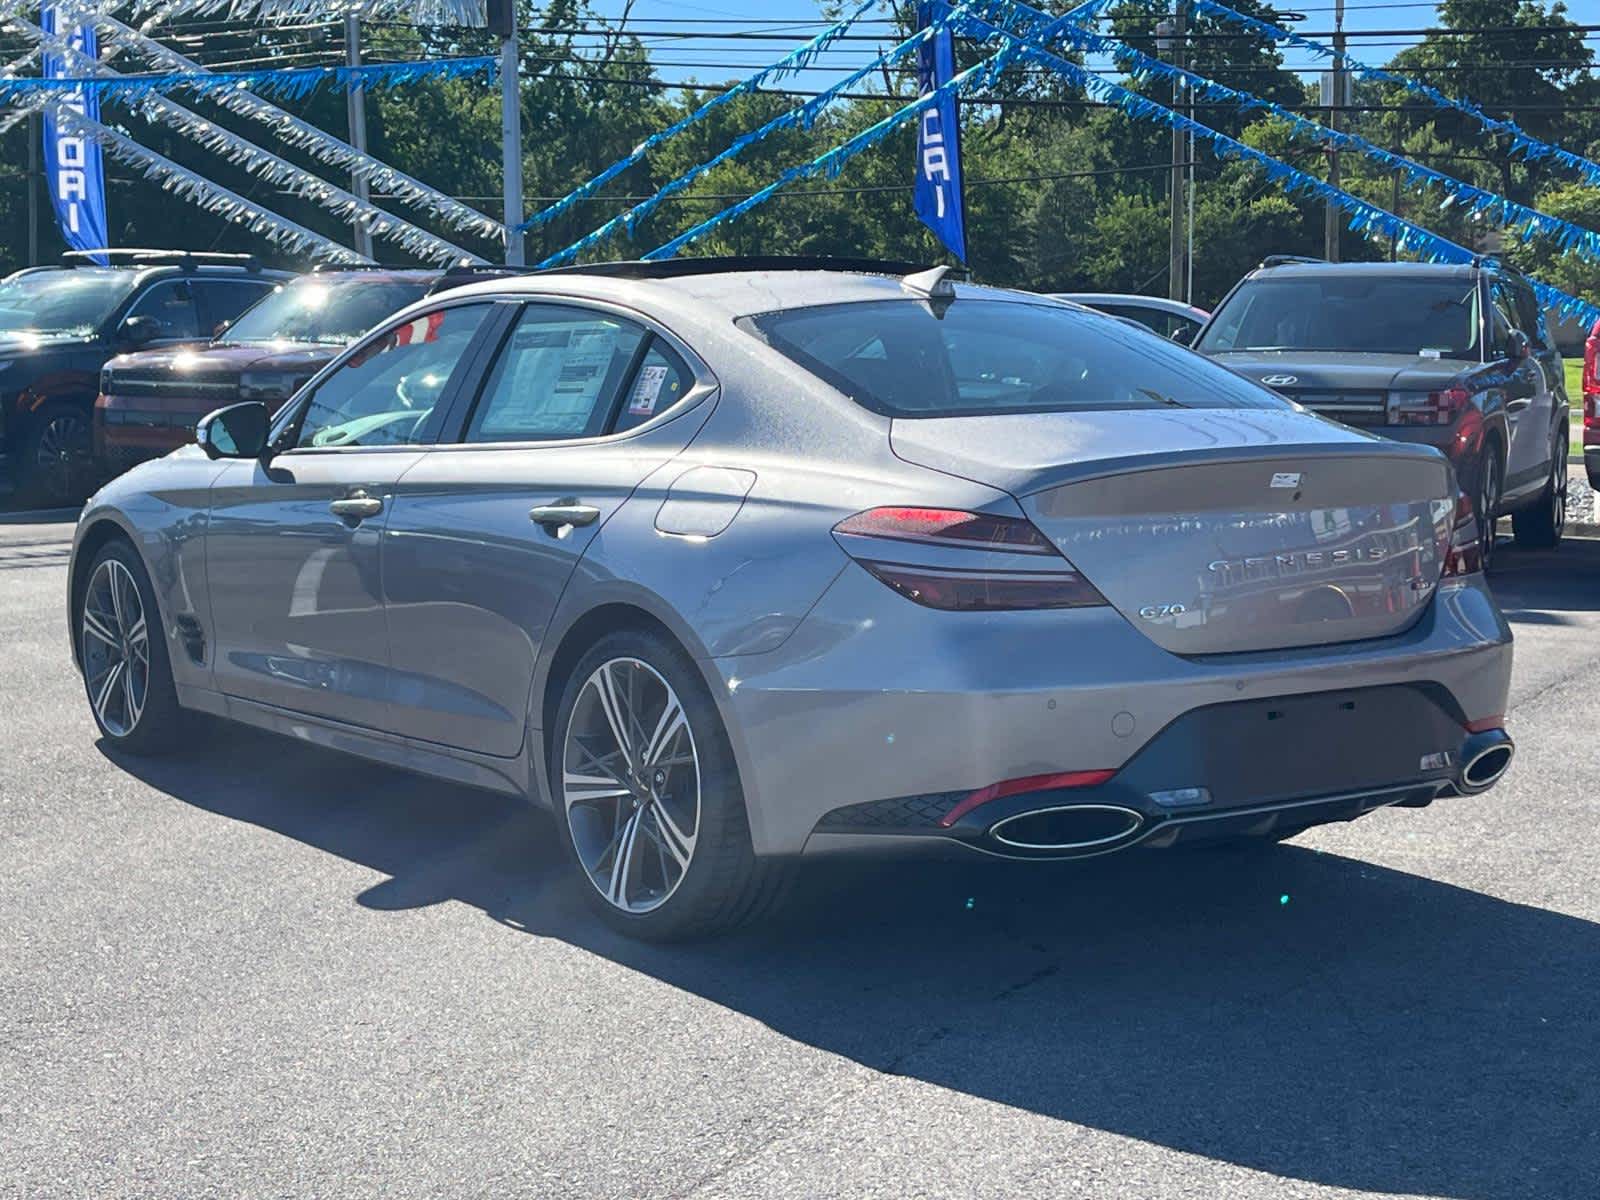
x,y
260,969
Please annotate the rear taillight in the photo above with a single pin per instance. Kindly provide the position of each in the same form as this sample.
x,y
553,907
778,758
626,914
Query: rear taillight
x,y
1465,556
984,574
1430,408
948,527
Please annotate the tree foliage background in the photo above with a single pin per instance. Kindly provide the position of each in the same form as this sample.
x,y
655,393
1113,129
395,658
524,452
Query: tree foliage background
x,y
1062,194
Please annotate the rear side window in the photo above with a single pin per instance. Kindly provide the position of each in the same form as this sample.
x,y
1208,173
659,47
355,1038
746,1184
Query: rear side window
x,y
981,357
660,382
557,376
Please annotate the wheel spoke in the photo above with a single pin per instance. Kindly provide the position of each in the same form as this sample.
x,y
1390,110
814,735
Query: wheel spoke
x,y
582,789
116,597
132,705
107,686
670,836
95,625
672,720
622,861
611,706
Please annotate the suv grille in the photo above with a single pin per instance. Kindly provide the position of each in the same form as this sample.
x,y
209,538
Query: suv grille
x,y
1353,408
213,391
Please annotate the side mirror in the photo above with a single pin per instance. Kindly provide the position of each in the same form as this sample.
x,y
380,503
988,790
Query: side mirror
x,y
1518,347
139,330
237,431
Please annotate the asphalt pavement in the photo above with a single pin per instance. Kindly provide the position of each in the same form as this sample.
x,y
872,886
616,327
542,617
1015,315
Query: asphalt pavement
x,y
259,969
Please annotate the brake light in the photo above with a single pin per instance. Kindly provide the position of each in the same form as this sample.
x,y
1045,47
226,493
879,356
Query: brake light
x,y
879,540
1432,408
1465,556
948,526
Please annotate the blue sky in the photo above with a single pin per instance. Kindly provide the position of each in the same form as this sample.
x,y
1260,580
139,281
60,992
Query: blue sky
x,y
709,58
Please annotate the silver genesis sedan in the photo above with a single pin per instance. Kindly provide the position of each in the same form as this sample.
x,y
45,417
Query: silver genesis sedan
x,y
726,562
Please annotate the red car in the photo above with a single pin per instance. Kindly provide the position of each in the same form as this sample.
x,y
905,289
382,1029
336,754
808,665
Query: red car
x,y
149,401
1591,407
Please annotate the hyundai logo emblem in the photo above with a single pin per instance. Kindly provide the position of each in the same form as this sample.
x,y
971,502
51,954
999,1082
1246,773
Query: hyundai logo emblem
x,y
1279,380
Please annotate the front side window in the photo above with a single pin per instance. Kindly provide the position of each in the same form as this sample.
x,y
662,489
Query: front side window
x,y
171,305
387,393
73,300
219,301
557,377
899,358
1433,317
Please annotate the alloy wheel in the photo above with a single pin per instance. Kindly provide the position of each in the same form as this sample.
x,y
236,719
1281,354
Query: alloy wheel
x,y
1558,491
115,648
62,454
1488,501
631,785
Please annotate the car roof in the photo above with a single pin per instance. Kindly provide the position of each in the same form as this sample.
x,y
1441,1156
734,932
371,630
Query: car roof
x,y
730,292
1375,270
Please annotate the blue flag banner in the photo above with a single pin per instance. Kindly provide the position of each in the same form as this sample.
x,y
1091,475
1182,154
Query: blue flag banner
x,y
72,162
938,193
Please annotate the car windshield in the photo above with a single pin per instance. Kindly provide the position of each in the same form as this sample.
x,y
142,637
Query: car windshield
x,y
1357,314
981,357
331,311
74,300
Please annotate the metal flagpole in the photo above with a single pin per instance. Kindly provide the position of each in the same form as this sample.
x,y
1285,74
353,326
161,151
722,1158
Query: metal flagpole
x,y
502,16
356,113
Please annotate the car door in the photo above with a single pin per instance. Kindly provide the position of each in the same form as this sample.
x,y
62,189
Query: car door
x,y
1529,398
579,405
293,543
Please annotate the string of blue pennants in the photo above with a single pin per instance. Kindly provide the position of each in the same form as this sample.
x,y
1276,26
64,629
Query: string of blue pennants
x,y
292,83
1021,31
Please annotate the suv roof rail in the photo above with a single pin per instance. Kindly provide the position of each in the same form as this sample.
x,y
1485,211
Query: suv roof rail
x,y
134,256
672,268
1285,260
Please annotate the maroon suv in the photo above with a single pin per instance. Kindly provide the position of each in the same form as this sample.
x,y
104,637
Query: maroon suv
x,y
149,401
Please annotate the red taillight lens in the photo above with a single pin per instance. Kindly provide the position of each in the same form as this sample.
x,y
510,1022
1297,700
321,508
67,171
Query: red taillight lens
x,y
992,582
1465,556
986,591
1434,408
1029,783
950,527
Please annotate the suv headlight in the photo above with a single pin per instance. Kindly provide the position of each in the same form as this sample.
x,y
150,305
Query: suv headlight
x,y
266,385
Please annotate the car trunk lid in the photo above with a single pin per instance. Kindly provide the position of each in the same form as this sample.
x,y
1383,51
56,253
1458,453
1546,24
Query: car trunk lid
x,y
1219,531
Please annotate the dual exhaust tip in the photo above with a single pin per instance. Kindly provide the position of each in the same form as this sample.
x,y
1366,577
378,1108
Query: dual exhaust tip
x,y
1098,828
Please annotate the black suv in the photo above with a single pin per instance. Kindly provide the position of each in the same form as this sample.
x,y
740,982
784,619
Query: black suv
x,y
58,326
1457,357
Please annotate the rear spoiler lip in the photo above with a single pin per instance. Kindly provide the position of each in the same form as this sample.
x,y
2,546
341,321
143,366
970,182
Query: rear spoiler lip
x,y
1290,455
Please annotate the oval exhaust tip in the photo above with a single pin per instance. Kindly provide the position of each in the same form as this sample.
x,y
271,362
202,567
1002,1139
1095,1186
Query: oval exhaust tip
x,y
1067,827
1486,769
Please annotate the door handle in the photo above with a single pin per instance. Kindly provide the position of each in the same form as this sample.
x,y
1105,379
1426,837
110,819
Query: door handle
x,y
357,506
1517,405
566,511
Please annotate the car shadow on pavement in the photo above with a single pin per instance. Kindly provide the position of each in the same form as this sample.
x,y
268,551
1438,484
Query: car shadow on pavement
x,y
1293,1012
1536,586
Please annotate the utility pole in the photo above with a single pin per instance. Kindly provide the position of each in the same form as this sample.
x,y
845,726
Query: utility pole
x,y
356,113
502,16
1170,37
1339,87
35,134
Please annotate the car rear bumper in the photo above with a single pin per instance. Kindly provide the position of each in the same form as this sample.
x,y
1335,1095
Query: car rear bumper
x,y
877,701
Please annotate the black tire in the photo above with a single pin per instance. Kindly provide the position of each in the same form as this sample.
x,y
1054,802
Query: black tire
x,y
724,884
1540,525
158,726
1490,482
56,465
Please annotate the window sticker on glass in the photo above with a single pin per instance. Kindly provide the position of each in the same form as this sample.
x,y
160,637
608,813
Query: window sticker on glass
x,y
647,390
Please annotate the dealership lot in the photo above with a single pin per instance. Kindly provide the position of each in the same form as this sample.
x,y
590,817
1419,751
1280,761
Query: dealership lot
x,y
260,968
